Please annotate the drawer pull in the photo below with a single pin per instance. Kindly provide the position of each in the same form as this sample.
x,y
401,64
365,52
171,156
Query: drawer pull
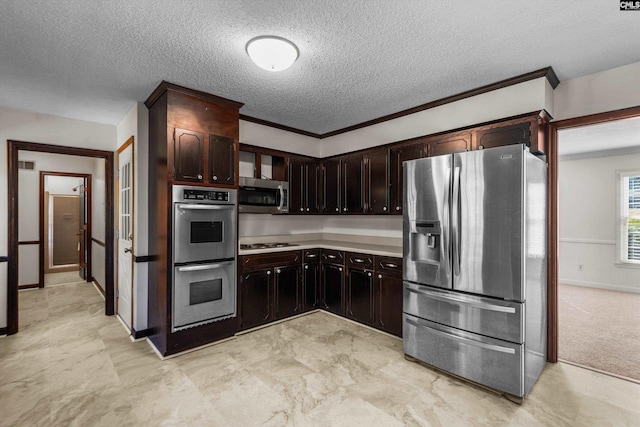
x,y
311,255
391,265
331,256
469,341
360,260
461,301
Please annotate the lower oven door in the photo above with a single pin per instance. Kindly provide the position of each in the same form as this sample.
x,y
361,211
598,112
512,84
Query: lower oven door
x,y
203,293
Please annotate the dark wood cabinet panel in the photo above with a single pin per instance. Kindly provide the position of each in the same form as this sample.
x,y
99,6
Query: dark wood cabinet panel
x,y
449,143
502,134
353,184
296,185
313,195
378,177
331,180
332,288
399,155
266,260
332,256
256,298
359,260
222,160
388,303
389,265
311,286
360,296
188,155
287,288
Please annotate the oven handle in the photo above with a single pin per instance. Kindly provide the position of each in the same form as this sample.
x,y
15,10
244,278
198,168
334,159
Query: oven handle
x,y
201,267
205,207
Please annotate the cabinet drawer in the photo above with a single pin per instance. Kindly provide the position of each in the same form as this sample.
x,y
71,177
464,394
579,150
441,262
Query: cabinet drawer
x,y
276,259
389,265
502,362
311,255
359,260
332,256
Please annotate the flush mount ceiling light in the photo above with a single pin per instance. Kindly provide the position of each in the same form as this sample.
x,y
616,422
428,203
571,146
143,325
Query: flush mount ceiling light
x,y
272,53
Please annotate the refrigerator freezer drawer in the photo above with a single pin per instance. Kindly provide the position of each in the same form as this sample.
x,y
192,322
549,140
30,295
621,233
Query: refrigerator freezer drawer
x,y
494,363
495,318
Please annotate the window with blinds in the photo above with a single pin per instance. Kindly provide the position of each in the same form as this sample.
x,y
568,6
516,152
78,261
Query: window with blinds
x,y
630,217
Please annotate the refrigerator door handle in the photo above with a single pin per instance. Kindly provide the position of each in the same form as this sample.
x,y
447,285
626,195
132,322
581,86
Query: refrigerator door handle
x,y
456,221
469,341
459,300
446,241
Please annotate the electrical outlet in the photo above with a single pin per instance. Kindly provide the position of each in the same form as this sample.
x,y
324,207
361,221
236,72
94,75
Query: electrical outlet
x,y
580,267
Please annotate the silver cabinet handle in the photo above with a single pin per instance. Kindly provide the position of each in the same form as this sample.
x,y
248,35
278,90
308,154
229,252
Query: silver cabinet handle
x,y
339,268
301,209
337,209
215,178
369,274
379,276
311,255
199,176
459,300
201,267
269,273
278,271
391,265
205,207
480,147
344,209
307,209
469,341
360,260
306,267
384,208
397,208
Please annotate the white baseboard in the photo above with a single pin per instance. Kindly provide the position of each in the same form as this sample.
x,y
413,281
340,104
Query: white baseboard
x,y
600,286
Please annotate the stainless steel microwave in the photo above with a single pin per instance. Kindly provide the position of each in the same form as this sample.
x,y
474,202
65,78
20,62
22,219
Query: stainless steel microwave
x,y
263,196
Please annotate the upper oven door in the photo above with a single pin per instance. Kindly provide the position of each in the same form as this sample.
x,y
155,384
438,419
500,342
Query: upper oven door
x,y
203,232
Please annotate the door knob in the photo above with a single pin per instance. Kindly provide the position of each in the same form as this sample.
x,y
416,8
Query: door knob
x,y
127,250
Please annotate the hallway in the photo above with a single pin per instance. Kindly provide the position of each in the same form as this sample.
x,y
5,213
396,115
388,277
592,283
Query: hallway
x,y
71,365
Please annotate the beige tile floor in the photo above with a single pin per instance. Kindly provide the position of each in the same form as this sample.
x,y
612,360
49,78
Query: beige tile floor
x,y
71,365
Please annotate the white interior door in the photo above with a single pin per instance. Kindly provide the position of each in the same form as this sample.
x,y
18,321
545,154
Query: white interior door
x,y
124,294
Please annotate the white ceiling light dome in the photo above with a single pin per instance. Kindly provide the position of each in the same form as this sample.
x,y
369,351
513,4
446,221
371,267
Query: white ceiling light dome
x,y
272,53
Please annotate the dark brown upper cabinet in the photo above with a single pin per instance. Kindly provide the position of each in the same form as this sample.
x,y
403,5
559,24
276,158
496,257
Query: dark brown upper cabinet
x,y
400,154
188,151
304,186
528,129
353,178
378,181
222,160
331,188
449,143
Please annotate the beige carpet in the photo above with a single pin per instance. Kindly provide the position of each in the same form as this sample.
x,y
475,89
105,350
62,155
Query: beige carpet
x,y
600,329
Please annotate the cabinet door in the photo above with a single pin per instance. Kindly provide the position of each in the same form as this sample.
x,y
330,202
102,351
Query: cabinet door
x,y
332,288
331,187
311,286
378,181
296,185
312,187
502,134
287,291
222,160
256,303
398,156
388,304
188,161
360,293
353,184
449,143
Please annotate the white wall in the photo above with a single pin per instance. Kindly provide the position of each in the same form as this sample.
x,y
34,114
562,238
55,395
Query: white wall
x,y
99,217
587,223
608,90
29,203
32,127
63,185
136,123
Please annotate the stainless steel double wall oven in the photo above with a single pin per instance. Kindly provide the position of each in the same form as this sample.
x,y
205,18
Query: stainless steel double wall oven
x,y
204,255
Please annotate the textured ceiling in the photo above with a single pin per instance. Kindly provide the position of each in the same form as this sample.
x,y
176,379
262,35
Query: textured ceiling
x,y
359,59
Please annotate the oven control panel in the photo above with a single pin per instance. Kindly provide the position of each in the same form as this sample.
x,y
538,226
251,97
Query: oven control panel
x,y
222,196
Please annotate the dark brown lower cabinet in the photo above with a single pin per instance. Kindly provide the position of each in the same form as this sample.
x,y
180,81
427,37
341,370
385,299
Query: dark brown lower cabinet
x,y
311,286
287,288
333,288
388,303
360,293
256,298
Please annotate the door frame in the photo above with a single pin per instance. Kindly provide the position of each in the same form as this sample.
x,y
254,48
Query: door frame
x,y
127,143
554,127
89,195
13,147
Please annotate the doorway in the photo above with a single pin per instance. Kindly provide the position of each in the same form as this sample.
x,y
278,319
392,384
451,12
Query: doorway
x,y
65,227
14,147
591,255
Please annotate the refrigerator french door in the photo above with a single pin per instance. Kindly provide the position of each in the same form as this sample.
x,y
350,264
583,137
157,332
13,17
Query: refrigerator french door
x,y
475,261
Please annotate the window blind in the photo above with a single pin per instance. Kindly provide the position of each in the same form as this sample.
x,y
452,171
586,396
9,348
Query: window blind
x,y
631,213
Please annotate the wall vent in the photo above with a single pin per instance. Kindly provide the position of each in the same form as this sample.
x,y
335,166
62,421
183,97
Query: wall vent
x,y
27,165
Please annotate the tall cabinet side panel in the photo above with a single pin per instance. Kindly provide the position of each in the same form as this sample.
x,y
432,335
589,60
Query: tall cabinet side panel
x,y
157,205
535,251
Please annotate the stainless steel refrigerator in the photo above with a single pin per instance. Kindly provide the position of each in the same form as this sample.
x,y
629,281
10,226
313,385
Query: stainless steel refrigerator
x,y
475,265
